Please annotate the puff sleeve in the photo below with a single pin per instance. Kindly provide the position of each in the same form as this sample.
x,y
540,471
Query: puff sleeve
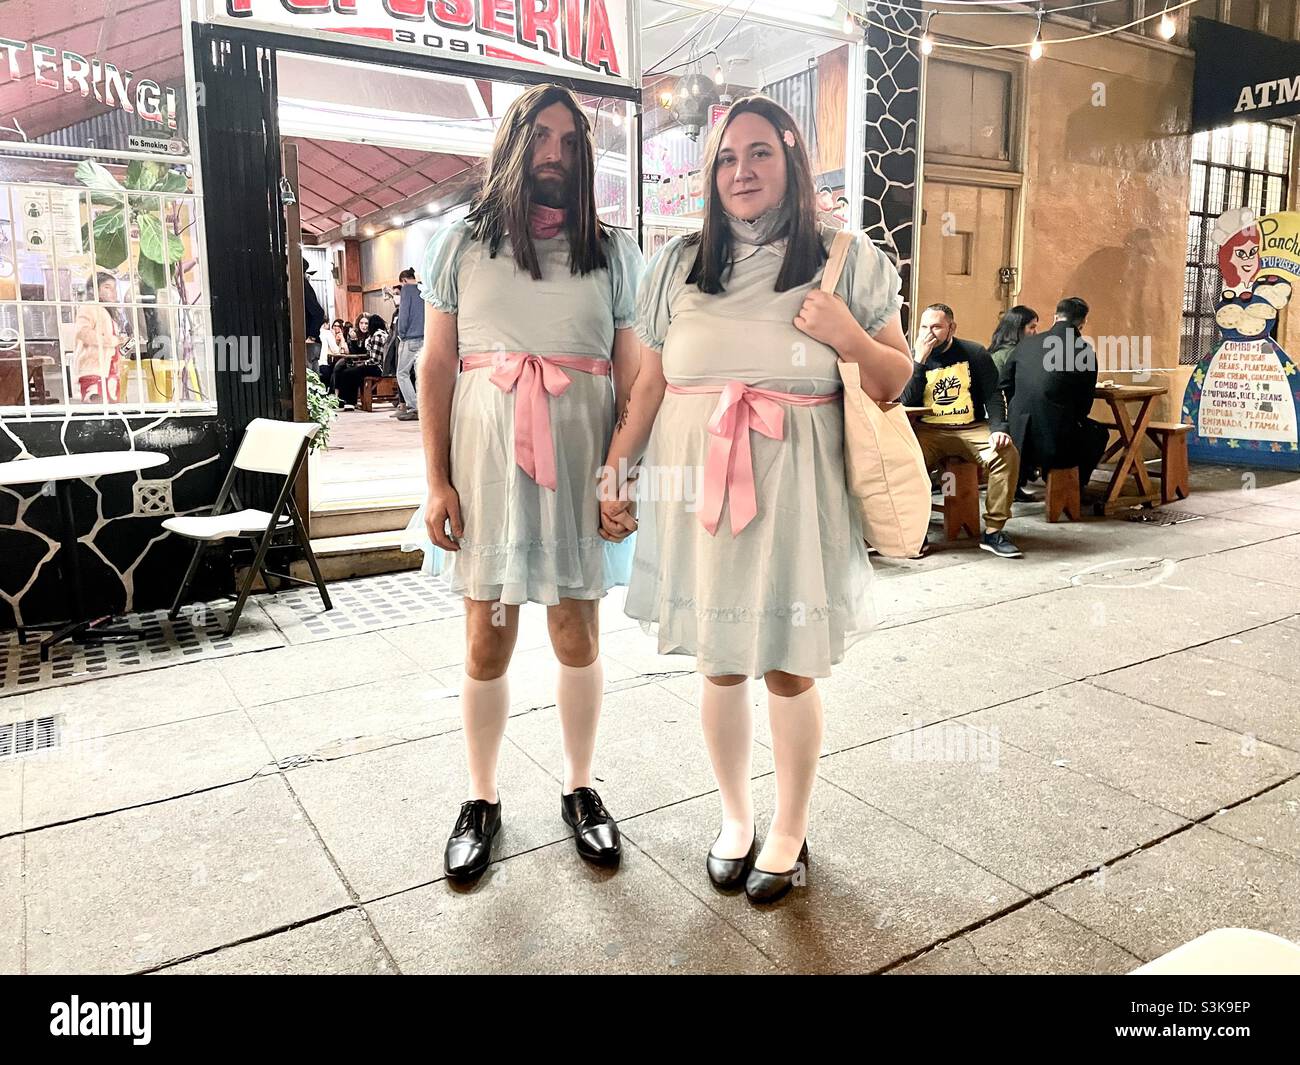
x,y
653,310
438,280
626,265
870,285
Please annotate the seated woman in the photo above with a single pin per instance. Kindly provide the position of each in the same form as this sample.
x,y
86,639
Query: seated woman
x,y
333,347
1016,324
347,379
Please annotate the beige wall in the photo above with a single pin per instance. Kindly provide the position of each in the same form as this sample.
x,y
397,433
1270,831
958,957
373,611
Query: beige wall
x,y
1103,206
1106,187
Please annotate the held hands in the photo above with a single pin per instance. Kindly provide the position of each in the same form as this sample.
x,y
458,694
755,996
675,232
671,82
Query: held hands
x,y
826,317
441,509
617,519
999,441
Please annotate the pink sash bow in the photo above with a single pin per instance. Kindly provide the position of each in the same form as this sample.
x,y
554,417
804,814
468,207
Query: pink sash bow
x,y
729,465
533,379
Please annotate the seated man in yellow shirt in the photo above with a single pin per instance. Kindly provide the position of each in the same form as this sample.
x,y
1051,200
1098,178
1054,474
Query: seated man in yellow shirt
x,y
958,381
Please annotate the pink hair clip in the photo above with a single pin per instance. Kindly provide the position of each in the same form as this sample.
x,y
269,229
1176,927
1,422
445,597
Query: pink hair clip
x,y
788,137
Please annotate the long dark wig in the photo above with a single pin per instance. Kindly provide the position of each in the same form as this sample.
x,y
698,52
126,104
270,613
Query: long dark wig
x,y
1012,327
503,205
804,251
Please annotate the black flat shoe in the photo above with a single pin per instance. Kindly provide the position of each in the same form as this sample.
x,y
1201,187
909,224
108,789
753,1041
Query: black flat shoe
x,y
762,886
469,848
728,874
594,832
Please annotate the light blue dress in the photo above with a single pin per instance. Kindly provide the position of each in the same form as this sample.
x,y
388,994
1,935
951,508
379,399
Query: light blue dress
x,y
523,542
792,590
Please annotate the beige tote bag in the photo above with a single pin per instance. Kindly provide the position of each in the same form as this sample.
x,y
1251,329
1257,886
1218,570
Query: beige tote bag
x,y
883,465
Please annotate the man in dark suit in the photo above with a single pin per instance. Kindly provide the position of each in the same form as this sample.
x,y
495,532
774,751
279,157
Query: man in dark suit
x,y
314,316
1048,380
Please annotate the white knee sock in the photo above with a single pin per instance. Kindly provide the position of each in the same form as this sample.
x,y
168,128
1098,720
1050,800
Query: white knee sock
x,y
728,721
578,691
796,723
484,707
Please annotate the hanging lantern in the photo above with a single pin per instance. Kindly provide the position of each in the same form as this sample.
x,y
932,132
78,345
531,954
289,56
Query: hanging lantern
x,y
694,95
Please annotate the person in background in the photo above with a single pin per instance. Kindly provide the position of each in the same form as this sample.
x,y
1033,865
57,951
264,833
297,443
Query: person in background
x,y
410,334
334,347
96,364
1049,381
1016,324
388,364
348,378
315,318
356,336
956,379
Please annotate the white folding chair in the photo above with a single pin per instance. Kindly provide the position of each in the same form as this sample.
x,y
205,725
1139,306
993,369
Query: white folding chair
x,y
273,447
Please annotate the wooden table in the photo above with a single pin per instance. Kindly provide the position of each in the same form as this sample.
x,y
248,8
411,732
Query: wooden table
x,y
1127,450
62,470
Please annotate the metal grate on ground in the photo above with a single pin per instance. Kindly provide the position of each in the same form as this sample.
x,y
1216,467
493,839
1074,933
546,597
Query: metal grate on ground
x,y
289,617
1159,516
195,634
26,737
362,605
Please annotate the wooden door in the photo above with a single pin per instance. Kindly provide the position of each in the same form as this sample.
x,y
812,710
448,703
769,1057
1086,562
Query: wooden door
x,y
965,244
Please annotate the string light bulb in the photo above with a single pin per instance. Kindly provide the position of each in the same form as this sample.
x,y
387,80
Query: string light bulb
x,y
850,23
1167,28
927,42
1036,48
666,98
718,77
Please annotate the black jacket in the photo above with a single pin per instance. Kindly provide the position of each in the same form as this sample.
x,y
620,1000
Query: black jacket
x,y
1049,381
969,363
312,311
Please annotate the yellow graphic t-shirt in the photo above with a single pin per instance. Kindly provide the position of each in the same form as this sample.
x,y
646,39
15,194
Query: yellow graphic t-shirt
x,y
948,395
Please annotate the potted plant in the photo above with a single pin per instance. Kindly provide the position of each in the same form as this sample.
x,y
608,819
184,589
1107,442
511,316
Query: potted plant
x,y
321,405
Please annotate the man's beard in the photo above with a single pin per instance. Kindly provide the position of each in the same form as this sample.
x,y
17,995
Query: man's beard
x,y
552,191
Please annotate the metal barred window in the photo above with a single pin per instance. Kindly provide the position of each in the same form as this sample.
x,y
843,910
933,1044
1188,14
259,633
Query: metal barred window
x,y
1244,165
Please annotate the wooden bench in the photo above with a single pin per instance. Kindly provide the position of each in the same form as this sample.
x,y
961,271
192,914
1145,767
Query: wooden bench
x,y
373,388
1175,475
1063,494
959,483
1171,440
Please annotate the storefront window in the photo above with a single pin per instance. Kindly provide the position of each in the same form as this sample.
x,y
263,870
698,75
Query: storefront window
x,y
1244,165
103,308
696,62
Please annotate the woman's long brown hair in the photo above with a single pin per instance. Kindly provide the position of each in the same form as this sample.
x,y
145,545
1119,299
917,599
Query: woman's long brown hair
x,y
503,205
804,251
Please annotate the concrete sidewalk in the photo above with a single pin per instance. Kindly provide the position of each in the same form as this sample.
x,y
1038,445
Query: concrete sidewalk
x,y
1069,763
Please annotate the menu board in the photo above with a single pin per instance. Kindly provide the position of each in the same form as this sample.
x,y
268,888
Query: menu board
x,y
1245,394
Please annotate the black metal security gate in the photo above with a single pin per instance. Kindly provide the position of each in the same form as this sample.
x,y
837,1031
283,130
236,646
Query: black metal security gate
x,y
247,270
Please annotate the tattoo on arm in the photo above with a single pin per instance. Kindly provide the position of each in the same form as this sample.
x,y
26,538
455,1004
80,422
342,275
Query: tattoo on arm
x,y
622,418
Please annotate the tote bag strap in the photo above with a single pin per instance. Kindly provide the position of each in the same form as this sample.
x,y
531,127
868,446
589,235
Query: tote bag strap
x,y
838,255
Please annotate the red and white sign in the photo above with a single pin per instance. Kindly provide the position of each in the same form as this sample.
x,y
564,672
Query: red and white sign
x,y
578,38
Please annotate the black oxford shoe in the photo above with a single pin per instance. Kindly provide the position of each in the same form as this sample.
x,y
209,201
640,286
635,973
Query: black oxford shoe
x,y
762,886
728,874
594,832
469,848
